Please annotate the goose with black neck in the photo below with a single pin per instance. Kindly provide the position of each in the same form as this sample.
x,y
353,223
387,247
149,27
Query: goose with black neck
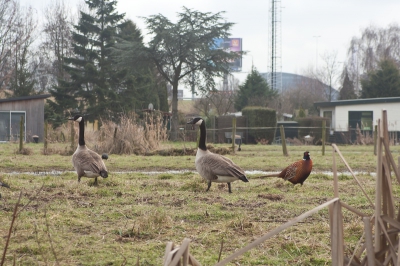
x,y
85,161
215,167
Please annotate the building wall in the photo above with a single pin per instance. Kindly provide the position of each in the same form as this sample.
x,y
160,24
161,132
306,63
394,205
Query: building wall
x,y
332,109
34,109
341,114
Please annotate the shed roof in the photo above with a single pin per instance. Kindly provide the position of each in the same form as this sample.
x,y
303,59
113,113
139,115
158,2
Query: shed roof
x,y
358,101
24,98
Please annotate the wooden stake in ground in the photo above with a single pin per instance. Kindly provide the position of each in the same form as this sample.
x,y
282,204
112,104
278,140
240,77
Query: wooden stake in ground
x,y
283,138
21,134
233,133
323,136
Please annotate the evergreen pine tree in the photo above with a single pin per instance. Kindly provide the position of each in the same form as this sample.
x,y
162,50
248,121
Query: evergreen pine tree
x,y
93,83
347,91
383,82
141,83
255,91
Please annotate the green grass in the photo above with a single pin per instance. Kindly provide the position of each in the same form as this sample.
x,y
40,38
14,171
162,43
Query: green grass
x,y
133,215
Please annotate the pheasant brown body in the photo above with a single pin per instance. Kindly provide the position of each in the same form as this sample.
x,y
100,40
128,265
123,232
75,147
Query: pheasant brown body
x,y
297,172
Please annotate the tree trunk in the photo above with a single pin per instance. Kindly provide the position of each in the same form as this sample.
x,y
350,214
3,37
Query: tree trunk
x,y
175,119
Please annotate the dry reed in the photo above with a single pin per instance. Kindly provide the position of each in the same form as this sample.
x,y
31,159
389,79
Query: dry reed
x,y
132,135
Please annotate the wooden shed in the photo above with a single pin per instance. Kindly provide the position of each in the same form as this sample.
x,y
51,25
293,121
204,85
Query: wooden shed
x,y
30,108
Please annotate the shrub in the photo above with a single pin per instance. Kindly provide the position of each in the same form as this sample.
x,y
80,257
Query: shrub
x,y
311,126
260,117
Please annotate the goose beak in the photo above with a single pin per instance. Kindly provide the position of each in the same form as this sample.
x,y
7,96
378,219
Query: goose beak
x,y
70,118
191,123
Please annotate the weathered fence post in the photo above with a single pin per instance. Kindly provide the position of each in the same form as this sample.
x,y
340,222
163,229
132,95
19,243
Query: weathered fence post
x,y
21,133
45,137
336,228
115,134
233,133
375,138
283,138
323,136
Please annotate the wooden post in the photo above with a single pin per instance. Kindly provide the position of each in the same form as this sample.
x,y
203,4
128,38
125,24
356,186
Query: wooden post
x,y
378,191
375,138
369,241
233,133
335,177
336,226
45,136
323,136
115,134
21,133
283,138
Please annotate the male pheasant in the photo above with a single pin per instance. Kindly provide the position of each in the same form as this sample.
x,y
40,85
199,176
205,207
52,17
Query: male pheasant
x,y
297,172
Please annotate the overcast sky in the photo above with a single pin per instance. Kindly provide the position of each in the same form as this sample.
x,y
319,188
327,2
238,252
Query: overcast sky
x,y
335,21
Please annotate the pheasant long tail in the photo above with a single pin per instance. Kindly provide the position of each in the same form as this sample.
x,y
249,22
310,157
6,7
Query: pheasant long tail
x,y
270,175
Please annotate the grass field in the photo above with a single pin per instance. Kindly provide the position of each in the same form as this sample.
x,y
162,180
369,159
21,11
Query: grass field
x,y
131,215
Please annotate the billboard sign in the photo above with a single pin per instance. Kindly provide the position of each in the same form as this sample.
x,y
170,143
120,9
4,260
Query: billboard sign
x,y
231,45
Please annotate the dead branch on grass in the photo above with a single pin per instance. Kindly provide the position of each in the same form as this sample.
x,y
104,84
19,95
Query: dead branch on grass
x,y
10,230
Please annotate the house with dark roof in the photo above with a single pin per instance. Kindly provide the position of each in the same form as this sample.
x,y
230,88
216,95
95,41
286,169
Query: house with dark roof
x,y
28,108
347,115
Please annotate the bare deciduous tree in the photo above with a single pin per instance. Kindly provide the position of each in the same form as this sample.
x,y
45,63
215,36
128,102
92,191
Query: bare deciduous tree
x,y
8,15
374,44
329,72
57,44
17,75
219,102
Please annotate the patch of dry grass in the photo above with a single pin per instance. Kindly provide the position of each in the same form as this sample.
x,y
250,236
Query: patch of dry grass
x,y
134,215
131,135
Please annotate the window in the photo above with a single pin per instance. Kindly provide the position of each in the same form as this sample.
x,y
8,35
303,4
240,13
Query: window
x,y
328,114
10,125
361,118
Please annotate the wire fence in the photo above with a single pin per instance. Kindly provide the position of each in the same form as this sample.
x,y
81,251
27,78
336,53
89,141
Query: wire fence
x,y
293,135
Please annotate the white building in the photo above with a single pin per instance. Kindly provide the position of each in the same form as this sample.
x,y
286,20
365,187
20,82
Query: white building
x,y
345,115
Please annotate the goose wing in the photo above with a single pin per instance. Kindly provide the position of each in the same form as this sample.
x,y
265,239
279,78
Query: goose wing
x,y
88,161
218,165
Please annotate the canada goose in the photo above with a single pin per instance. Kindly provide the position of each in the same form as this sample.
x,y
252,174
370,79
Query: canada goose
x,y
214,167
3,185
85,161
